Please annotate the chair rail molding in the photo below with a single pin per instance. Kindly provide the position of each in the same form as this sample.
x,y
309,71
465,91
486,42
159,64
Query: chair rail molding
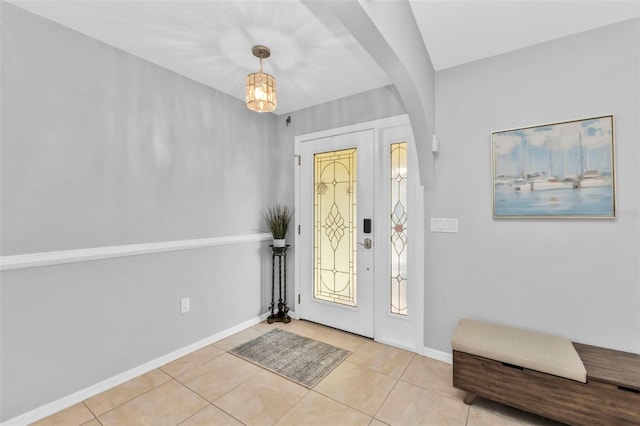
x,y
34,260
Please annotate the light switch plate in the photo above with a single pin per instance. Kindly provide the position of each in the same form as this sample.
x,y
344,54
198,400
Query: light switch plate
x,y
185,305
444,224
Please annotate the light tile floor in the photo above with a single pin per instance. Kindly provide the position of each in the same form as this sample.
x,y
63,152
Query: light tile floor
x,y
376,385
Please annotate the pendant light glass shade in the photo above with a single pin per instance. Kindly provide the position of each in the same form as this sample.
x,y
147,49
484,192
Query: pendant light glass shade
x,y
261,92
261,87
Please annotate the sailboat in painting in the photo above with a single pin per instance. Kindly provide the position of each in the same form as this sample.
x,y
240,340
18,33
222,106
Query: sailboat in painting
x,y
590,178
553,183
542,182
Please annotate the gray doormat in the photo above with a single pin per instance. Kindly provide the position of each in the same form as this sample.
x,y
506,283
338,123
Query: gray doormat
x,y
303,360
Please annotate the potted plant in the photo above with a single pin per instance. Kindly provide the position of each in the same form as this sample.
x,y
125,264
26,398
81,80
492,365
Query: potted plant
x,y
278,218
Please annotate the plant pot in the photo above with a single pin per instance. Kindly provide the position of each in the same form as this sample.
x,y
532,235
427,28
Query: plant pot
x,y
279,242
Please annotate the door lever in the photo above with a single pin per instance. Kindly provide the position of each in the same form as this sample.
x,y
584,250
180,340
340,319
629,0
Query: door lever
x,y
367,243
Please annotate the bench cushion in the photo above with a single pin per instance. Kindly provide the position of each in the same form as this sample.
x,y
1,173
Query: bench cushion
x,y
529,349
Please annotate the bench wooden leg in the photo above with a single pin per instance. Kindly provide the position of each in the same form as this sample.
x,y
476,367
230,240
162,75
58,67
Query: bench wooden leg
x,y
468,399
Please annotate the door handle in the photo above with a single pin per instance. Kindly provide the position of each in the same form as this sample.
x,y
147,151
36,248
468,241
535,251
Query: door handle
x,y
367,243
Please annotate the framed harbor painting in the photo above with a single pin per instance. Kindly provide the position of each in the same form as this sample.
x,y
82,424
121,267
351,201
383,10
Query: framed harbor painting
x,y
557,170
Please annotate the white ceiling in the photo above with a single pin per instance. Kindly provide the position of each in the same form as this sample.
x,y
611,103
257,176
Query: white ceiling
x,y
313,61
457,32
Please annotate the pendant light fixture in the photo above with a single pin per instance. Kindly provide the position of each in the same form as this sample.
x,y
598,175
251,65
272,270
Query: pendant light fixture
x,y
261,87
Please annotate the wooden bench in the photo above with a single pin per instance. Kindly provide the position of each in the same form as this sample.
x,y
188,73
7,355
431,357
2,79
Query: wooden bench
x,y
498,363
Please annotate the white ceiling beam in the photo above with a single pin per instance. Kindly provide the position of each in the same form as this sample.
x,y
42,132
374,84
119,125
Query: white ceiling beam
x,y
389,33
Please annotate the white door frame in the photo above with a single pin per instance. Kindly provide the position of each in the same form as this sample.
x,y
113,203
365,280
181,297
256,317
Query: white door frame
x,y
416,206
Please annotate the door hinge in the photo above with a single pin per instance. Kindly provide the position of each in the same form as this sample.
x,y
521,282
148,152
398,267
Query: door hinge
x,y
298,298
298,158
298,229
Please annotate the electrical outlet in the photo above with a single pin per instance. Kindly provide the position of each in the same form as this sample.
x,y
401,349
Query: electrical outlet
x,y
185,305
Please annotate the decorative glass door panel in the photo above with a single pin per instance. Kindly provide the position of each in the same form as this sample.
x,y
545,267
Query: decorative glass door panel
x,y
398,206
336,195
335,227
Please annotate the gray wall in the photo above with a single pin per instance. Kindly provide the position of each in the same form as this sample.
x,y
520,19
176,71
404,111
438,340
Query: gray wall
x,y
368,106
117,150
100,148
577,278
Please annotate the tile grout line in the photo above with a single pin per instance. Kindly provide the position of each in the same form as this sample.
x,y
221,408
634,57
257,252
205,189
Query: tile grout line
x,y
129,400
200,410
192,368
92,413
293,406
413,354
210,404
368,368
342,403
437,392
433,391
394,386
132,399
408,364
385,398
226,412
213,402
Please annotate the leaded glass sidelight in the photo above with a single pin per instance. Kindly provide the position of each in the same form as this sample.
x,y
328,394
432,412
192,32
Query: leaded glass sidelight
x,y
398,222
335,227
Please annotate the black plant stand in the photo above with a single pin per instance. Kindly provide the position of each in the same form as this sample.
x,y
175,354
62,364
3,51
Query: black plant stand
x,y
282,315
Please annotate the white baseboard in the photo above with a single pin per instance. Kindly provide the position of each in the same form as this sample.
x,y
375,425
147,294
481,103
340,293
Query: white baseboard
x,y
93,390
438,355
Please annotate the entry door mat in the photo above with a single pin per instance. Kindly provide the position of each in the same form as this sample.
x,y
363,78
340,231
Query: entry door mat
x,y
301,359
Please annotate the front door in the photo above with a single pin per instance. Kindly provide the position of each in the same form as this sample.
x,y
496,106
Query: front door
x,y
359,238
336,205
